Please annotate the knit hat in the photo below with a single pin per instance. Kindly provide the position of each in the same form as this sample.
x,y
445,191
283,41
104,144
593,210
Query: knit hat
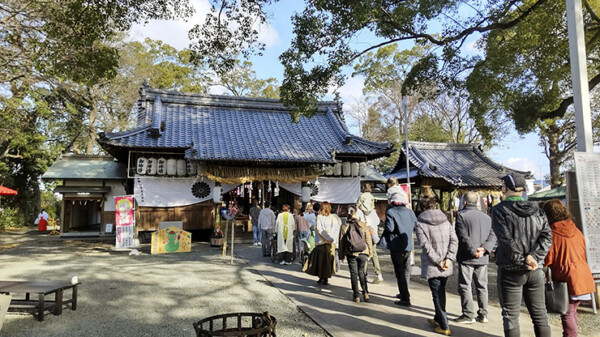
x,y
397,195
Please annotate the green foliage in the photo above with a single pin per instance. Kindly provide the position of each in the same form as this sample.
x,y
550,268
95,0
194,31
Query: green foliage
x,y
11,218
242,81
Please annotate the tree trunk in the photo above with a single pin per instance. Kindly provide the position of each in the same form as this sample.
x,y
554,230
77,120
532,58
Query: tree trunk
x,y
91,141
555,156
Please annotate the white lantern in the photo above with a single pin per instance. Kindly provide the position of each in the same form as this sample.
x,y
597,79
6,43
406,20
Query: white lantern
x,y
181,167
172,167
362,169
217,194
329,170
346,169
192,167
306,191
142,165
355,169
161,166
337,169
151,169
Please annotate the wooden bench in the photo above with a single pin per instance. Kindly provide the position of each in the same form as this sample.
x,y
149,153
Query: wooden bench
x,y
42,289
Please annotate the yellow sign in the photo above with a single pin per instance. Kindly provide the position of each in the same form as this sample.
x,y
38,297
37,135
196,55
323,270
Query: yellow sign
x,y
171,240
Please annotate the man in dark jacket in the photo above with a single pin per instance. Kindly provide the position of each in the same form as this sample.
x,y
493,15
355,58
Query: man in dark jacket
x,y
398,233
475,241
524,238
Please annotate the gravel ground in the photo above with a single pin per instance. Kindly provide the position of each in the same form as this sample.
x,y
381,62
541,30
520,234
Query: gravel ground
x,y
588,322
145,295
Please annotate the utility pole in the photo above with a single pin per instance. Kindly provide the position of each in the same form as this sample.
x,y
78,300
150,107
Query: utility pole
x,y
405,111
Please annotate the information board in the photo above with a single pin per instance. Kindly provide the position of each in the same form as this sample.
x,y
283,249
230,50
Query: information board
x,y
124,222
587,168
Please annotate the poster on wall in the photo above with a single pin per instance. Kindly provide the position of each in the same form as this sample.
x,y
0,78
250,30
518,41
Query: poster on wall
x,y
124,222
587,168
171,240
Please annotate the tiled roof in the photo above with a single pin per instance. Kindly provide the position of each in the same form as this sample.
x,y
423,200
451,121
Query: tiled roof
x,y
86,167
226,128
462,165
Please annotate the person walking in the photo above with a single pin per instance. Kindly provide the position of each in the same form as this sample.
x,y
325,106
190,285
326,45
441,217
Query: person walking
x,y
366,213
439,245
321,261
399,225
476,239
254,214
266,224
356,253
524,238
567,261
285,227
42,220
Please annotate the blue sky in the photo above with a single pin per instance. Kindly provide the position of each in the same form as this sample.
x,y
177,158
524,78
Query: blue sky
x,y
514,151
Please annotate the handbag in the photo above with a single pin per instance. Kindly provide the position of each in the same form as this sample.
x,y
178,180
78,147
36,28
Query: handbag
x,y
557,295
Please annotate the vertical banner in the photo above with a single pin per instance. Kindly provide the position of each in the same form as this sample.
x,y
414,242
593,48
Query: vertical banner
x,y
124,222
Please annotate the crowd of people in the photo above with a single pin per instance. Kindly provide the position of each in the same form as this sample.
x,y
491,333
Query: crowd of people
x,y
524,237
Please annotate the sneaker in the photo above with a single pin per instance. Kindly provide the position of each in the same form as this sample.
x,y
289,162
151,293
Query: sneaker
x,y
367,298
433,322
464,319
482,318
442,331
255,244
402,303
259,244
378,279
282,263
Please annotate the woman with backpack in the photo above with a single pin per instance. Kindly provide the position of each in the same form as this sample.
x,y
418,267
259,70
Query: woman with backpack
x,y
357,247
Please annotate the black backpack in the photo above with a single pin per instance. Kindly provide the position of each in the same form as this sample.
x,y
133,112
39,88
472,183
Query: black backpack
x,y
355,240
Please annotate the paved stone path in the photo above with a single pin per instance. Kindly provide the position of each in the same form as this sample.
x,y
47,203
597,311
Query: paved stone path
x,y
331,306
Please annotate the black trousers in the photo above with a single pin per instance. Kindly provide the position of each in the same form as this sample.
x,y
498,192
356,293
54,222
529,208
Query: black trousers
x,y
401,261
516,285
438,294
357,264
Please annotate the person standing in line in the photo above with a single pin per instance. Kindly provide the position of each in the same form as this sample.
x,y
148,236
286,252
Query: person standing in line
x,y
266,224
366,213
476,239
254,214
302,229
567,260
439,244
524,238
321,261
357,260
285,227
399,225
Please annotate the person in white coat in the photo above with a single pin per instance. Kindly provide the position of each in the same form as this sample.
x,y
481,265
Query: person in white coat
x,y
366,213
285,227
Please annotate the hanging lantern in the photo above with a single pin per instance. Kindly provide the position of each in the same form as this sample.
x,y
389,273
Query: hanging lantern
x,y
337,169
306,191
142,165
329,170
192,168
217,194
151,169
172,167
346,169
362,169
181,167
355,167
161,166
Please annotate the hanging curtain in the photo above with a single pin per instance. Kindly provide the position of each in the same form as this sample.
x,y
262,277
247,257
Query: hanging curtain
x,y
334,190
173,192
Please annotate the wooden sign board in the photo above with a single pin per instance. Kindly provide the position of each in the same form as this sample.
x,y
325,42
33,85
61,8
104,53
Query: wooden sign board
x,y
171,240
4,303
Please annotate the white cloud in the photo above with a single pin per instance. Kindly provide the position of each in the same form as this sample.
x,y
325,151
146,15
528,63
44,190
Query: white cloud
x,y
524,164
175,33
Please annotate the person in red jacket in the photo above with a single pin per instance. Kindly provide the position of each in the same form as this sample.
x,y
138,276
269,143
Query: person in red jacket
x,y
567,261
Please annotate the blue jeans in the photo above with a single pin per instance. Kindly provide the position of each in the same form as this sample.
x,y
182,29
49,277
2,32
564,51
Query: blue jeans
x,y
301,236
438,293
257,233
